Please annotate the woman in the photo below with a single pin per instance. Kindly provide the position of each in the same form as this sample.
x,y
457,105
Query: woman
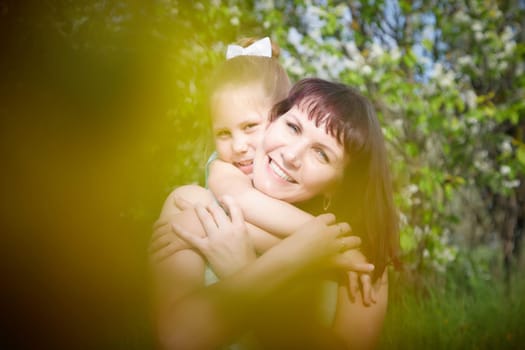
x,y
323,141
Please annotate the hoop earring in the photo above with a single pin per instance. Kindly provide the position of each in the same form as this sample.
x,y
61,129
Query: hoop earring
x,y
327,200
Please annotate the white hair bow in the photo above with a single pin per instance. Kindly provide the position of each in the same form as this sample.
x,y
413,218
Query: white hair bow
x,y
262,47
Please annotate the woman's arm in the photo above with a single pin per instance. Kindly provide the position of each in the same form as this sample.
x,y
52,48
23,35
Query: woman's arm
x,y
357,324
208,317
225,179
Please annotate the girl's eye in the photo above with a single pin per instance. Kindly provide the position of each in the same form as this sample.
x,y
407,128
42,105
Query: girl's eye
x,y
251,126
223,134
293,127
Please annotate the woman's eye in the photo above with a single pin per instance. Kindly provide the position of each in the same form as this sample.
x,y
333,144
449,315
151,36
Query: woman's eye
x,y
322,155
293,127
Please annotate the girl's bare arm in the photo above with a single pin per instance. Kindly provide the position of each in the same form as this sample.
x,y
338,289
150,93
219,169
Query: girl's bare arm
x,y
272,215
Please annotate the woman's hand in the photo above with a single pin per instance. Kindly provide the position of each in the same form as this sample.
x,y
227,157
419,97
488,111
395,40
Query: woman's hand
x,y
319,243
323,243
227,247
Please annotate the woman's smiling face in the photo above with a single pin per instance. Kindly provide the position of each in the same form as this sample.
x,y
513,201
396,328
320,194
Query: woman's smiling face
x,y
297,159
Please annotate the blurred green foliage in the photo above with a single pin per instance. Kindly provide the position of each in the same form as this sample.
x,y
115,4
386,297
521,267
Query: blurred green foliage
x,y
104,100
446,78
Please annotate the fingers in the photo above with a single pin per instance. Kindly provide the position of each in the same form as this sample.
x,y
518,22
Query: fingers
x,y
162,237
343,228
163,253
349,242
327,218
218,214
207,220
191,239
366,288
182,203
354,260
159,224
373,295
157,243
353,285
235,211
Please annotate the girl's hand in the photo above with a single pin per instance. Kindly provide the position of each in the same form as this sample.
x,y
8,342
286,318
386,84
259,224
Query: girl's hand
x,y
164,241
227,247
359,279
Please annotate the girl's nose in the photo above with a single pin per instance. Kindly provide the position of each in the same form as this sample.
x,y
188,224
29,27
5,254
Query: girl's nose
x,y
240,145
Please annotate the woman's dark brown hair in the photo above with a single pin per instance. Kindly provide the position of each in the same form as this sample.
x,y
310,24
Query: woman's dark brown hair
x,y
365,196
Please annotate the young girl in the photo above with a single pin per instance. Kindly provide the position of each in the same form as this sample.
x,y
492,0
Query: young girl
x,y
242,91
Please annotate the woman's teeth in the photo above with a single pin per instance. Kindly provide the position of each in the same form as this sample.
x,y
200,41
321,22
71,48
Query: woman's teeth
x,y
279,172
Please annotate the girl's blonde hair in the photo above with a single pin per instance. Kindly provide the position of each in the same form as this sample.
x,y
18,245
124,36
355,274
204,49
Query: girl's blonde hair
x,y
266,72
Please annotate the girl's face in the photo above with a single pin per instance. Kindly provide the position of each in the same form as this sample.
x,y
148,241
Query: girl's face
x,y
298,160
239,120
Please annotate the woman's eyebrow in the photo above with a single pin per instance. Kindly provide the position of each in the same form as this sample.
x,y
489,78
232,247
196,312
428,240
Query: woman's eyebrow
x,y
296,119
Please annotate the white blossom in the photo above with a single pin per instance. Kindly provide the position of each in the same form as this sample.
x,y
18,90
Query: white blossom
x,y
511,184
478,36
412,188
461,17
353,51
425,60
443,79
293,65
507,34
376,51
295,38
470,98
505,146
351,65
481,161
312,18
398,123
504,170
465,60
509,47
477,26
448,255
264,5
503,66
395,53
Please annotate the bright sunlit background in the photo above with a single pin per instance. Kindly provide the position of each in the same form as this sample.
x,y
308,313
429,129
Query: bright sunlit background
x,y
102,115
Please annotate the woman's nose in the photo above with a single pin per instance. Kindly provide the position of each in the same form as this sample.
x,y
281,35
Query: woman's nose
x,y
292,157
